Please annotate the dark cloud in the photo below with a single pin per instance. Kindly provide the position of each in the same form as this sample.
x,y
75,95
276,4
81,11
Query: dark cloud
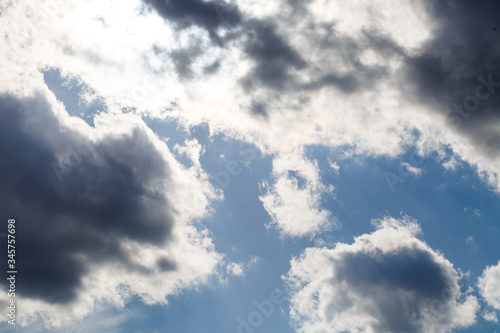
x,y
275,63
209,15
213,68
387,281
258,108
105,197
346,83
446,72
183,59
274,58
398,284
360,76
166,264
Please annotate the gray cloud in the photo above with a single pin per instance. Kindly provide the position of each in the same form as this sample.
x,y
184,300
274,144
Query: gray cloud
x,y
276,65
273,56
209,15
398,284
107,198
387,281
446,71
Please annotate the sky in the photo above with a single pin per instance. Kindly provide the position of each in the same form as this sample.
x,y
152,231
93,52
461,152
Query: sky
x,y
211,166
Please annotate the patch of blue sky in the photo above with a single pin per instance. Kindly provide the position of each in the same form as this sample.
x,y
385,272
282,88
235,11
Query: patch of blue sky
x,y
69,90
449,205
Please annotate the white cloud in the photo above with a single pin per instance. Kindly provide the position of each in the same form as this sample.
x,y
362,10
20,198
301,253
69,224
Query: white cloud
x,y
489,285
386,281
239,269
334,166
412,169
451,164
294,200
490,316
235,269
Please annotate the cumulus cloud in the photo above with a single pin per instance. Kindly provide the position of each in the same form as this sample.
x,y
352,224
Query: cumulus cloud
x,y
386,281
489,285
103,213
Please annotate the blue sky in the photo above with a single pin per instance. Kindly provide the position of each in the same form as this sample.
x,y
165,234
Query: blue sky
x,y
182,166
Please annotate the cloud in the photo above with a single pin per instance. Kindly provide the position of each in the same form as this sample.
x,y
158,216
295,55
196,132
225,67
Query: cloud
x,y
284,75
207,14
274,58
334,166
236,269
294,200
102,213
456,74
490,316
412,169
489,285
386,281
239,269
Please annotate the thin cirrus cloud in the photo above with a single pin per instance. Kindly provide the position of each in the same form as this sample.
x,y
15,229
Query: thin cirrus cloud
x,y
386,281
